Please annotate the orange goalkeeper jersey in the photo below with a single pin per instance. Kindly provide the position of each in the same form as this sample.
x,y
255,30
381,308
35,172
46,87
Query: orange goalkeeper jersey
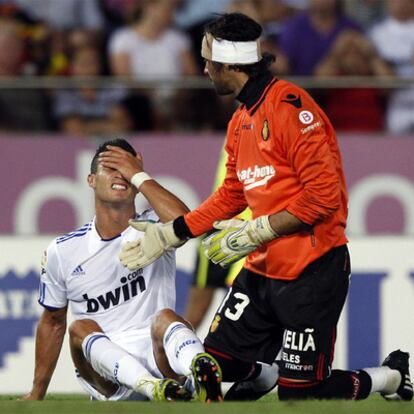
x,y
282,155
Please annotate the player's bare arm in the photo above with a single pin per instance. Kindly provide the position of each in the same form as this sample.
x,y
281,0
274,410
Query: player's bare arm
x,y
49,339
165,204
285,223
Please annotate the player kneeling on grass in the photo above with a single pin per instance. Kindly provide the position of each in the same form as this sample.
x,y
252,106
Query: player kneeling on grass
x,y
284,163
126,341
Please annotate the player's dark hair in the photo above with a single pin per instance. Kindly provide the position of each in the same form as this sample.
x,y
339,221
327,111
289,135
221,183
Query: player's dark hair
x,y
119,142
238,27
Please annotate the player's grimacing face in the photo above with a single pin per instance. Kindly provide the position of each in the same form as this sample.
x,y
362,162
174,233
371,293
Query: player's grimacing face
x,y
110,186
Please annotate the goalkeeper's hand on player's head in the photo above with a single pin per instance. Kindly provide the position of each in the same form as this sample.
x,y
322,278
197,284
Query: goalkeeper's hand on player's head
x,y
237,239
157,239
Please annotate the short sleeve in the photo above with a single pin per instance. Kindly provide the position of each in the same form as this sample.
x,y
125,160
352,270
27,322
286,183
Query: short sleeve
x,y
52,289
120,42
149,214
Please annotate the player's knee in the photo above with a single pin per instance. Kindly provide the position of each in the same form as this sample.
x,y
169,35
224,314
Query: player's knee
x,y
80,329
162,320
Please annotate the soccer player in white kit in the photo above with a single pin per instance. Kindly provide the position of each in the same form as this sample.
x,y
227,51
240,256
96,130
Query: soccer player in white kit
x,y
126,340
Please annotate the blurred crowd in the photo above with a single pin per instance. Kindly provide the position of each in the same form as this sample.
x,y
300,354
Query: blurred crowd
x,y
154,40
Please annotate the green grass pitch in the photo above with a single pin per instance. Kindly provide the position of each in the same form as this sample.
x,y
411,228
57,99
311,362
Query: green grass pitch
x,y
78,404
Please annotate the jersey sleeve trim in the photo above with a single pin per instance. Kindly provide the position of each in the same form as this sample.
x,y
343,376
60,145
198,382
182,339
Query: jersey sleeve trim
x,y
49,308
181,229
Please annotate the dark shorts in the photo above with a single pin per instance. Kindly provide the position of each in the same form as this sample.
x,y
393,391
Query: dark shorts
x,y
261,316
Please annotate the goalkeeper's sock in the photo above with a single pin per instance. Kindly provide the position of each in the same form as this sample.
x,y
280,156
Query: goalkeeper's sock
x,y
181,345
113,363
384,379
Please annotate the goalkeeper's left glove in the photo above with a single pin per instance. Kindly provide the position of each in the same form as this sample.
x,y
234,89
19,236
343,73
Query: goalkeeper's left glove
x,y
157,239
237,239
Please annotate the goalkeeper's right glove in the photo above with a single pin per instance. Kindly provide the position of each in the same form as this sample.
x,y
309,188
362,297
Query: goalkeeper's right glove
x,y
237,239
157,239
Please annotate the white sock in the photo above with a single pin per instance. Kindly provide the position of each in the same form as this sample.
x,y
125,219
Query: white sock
x,y
114,363
267,378
384,379
181,345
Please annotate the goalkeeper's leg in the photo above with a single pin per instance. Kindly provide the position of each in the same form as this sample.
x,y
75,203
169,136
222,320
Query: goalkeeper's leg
x,y
251,379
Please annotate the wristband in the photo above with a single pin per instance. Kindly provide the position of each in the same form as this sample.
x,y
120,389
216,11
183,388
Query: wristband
x,y
181,229
138,178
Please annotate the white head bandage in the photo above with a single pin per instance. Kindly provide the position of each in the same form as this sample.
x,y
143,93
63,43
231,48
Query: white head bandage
x,y
227,51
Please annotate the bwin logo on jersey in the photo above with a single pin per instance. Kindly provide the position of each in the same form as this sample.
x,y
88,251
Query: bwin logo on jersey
x,y
122,293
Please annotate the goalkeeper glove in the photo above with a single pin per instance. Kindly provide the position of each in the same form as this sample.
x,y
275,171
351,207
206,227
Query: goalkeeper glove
x,y
157,239
237,239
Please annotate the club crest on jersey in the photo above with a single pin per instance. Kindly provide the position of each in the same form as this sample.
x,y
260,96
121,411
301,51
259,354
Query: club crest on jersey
x,y
132,284
265,130
215,323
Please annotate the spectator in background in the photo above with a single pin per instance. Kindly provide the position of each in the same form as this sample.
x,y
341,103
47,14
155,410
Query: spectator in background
x,y
271,14
116,12
191,12
70,24
308,37
86,111
354,109
20,109
394,40
152,49
365,12
192,15
133,113
274,14
64,14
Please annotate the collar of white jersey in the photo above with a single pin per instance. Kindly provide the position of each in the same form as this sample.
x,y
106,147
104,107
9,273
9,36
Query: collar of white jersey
x,y
98,237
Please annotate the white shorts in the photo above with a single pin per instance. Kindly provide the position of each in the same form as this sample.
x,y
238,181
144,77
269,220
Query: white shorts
x,y
138,343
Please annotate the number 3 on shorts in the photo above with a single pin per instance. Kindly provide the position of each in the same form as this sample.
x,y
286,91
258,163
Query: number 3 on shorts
x,y
238,307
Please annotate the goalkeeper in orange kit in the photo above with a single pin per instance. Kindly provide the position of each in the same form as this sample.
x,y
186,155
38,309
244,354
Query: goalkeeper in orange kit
x,y
284,163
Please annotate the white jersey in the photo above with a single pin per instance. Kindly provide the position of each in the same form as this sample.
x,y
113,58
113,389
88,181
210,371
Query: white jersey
x,y
82,269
